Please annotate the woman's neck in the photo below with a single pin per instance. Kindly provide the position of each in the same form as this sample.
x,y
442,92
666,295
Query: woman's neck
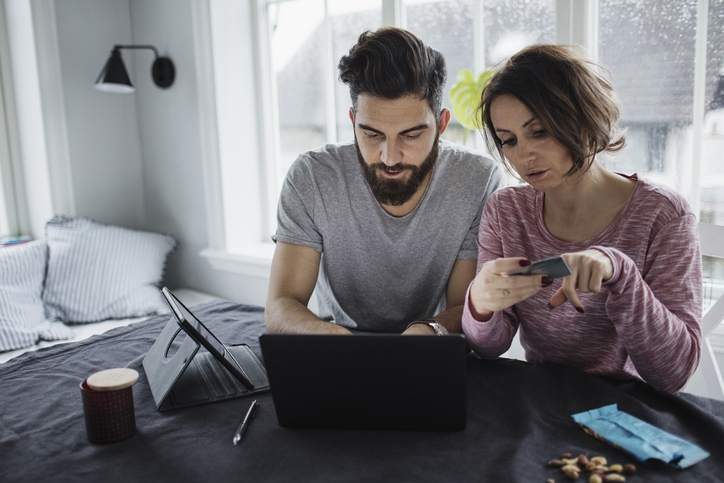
x,y
585,203
579,193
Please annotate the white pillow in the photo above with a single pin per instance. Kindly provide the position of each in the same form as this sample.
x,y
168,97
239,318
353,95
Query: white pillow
x,y
22,318
98,272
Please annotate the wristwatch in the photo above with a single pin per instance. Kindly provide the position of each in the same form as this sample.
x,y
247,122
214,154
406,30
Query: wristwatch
x,y
435,326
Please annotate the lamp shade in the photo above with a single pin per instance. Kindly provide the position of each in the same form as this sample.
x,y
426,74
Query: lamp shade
x,y
114,76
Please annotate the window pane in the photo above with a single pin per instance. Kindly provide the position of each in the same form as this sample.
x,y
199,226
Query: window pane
x,y
4,218
511,25
446,26
712,167
348,20
297,36
302,44
308,37
5,178
648,47
7,223
507,26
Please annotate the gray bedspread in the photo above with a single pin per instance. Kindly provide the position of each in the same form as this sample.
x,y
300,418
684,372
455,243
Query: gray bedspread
x,y
518,418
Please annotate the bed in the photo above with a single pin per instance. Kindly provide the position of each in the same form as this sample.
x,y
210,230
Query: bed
x,y
83,331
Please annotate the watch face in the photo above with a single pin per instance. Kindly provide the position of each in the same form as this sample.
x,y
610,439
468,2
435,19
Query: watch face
x,y
438,328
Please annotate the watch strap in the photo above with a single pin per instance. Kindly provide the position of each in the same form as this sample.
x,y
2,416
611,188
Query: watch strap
x,y
436,326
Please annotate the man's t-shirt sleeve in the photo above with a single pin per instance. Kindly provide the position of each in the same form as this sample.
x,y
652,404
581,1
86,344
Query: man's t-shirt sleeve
x,y
295,213
469,248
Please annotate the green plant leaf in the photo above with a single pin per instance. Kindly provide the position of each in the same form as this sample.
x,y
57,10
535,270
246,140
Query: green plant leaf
x,y
465,97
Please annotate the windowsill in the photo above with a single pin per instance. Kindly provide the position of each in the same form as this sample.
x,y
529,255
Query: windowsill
x,y
254,260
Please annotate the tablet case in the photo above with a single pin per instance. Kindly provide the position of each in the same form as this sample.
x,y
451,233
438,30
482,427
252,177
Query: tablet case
x,y
189,376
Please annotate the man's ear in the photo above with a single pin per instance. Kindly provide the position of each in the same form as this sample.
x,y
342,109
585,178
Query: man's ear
x,y
351,115
443,121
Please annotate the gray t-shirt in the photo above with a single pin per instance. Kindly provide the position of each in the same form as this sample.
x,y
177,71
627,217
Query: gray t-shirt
x,y
380,272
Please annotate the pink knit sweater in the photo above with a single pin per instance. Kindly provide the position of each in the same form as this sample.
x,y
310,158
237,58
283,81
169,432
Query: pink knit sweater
x,y
646,321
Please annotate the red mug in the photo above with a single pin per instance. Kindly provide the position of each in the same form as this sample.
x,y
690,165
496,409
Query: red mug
x,y
108,405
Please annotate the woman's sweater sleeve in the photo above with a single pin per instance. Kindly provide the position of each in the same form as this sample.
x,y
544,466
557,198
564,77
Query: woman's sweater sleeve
x,y
493,337
657,311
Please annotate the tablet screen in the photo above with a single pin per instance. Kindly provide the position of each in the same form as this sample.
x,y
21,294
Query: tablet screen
x,y
200,328
201,334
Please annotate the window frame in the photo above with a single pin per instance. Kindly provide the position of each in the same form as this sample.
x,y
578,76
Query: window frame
x,y
576,24
10,174
31,79
8,210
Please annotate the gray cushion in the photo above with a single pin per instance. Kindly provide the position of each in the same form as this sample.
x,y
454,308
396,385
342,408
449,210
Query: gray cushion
x,y
22,318
98,272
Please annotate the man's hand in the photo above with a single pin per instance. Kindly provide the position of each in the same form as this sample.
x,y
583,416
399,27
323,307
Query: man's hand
x,y
420,328
338,330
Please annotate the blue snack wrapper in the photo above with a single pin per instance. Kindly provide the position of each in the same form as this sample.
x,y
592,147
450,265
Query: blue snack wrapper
x,y
639,438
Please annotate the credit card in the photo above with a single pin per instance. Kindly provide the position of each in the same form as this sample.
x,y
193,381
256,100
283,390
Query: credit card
x,y
553,267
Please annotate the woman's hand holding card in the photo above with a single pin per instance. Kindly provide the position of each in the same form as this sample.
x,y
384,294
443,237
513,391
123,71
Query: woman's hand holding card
x,y
496,288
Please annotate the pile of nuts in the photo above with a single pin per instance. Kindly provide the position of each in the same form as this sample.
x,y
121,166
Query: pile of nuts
x,y
597,466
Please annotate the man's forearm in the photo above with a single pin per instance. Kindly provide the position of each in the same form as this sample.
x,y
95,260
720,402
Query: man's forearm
x,y
451,318
289,316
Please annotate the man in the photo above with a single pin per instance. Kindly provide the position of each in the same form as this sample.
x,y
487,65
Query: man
x,y
386,227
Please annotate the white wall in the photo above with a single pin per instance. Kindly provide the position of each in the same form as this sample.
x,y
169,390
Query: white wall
x,y
133,160
173,160
102,129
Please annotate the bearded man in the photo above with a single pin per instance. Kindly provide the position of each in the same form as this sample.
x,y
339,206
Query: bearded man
x,y
386,228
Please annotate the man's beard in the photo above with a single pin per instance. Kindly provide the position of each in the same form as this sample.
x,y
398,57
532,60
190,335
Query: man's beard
x,y
392,191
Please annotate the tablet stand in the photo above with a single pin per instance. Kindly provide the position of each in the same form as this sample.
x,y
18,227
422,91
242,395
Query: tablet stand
x,y
189,377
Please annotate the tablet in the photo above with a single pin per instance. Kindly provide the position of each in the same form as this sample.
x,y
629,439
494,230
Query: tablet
x,y
202,335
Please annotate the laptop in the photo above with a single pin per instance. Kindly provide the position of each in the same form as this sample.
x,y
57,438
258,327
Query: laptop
x,y
367,381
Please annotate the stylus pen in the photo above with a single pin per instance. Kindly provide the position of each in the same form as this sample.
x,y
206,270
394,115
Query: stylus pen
x,y
245,423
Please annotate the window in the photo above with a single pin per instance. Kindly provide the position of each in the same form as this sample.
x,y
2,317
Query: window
x,y
712,146
672,95
8,217
448,27
649,50
712,170
5,229
666,60
307,39
5,226
477,35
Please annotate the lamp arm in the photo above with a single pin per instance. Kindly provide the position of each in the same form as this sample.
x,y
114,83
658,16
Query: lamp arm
x,y
145,47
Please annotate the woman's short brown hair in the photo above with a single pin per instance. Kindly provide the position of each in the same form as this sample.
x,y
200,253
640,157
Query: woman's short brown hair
x,y
573,102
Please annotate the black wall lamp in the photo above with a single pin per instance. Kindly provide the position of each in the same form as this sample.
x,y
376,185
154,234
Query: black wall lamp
x,y
114,76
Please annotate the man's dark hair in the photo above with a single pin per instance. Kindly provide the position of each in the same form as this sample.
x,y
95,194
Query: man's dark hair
x,y
392,63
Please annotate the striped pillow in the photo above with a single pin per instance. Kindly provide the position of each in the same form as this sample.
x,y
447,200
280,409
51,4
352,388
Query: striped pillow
x,y
22,318
98,272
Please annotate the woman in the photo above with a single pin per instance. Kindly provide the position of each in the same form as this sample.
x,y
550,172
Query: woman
x,y
632,304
